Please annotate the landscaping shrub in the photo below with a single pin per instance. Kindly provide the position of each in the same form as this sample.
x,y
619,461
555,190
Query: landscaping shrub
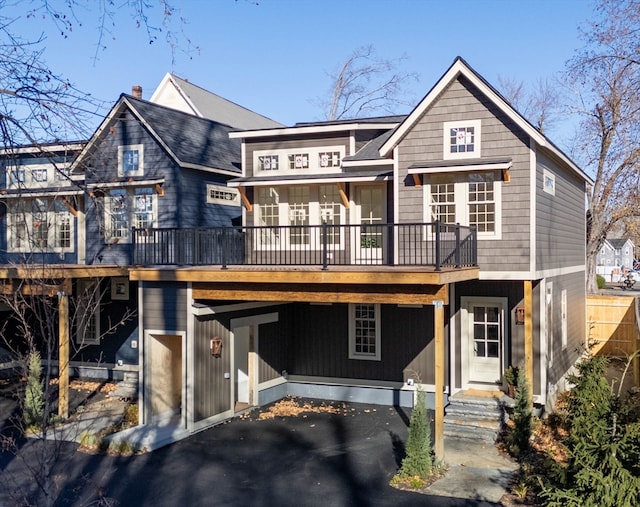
x,y
33,410
600,281
518,438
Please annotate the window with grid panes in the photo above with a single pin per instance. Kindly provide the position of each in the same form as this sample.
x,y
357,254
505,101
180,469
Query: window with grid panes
x,y
299,234
481,202
364,334
331,209
269,214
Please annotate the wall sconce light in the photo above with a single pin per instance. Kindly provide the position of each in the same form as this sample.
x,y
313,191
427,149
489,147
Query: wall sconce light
x,y
520,315
216,346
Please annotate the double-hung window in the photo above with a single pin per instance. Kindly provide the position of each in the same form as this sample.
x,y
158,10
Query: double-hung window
x,y
39,225
127,208
364,331
87,312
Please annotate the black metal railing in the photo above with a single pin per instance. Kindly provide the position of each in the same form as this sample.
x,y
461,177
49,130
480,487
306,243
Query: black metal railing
x,y
416,244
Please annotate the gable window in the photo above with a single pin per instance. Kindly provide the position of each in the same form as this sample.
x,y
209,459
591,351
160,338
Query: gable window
x,y
127,208
299,161
87,312
39,175
461,139
131,160
364,331
268,162
39,225
472,199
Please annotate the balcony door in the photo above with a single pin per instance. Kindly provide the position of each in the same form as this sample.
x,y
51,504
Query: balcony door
x,y
368,240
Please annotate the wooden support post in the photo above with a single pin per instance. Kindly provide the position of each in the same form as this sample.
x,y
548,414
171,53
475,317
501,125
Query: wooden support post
x,y
63,355
439,378
528,335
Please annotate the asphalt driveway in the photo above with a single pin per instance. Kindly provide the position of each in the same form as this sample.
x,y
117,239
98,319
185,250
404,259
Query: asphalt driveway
x,y
317,459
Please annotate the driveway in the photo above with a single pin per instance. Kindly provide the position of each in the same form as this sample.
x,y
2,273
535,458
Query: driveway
x,y
313,459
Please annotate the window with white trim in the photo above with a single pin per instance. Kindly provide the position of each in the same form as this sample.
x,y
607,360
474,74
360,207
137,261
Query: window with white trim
x,y
325,159
461,139
564,319
127,208
87,312
471,199
364,331
131,160
39,225
217,194
300,207
549,182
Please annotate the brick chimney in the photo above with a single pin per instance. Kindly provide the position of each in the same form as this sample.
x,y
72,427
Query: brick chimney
x,y
136,91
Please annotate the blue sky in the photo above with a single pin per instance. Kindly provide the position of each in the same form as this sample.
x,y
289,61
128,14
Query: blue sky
x,y
274,57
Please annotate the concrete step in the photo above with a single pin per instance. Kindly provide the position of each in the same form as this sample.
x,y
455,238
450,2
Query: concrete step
x,y
476,416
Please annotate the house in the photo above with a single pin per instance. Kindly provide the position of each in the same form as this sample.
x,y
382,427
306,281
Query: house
x,y
614,256
70,208
374,255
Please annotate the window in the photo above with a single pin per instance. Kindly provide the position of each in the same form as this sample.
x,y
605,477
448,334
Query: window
x,y
564,319
87,312
217,194
16,177
461,139
472,199
329,159
331,212
322,160
39,225
268,215
299,215
549,182
364,331
131,160
487,331
268,162
299,161
127,208
39,175
63,174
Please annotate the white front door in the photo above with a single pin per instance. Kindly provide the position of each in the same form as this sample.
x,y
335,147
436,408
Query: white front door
x,y
369,240
483,332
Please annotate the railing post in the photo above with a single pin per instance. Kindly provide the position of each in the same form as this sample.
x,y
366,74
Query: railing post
x,y
474,235
325,260
223,249
437,226
458,245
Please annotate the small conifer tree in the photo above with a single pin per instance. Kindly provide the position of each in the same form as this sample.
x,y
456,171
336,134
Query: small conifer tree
x,y
420,459
33,412
522,417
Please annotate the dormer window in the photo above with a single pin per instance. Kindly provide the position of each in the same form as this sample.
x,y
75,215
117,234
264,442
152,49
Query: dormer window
x,y
39,175
268,162
461,139
299,161
131,160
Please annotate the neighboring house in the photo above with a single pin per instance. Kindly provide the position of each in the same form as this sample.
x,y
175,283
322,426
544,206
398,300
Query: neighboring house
x,y
618,253
75,206
349,278
180,94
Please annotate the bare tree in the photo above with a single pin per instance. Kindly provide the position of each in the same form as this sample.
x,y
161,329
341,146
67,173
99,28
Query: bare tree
x,y
606,74
365,85
539,102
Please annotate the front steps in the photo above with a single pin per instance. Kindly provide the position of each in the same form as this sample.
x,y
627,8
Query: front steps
x,y
476,415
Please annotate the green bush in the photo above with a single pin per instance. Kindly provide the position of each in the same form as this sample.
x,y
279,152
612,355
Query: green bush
x,y
600,281
33,410
518,438
603,468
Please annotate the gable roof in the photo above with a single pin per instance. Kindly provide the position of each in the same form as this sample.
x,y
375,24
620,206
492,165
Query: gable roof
x,y
193,99
193,142
619,243
461,68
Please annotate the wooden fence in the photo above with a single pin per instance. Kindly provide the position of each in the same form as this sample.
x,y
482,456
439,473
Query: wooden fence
x,y
612,325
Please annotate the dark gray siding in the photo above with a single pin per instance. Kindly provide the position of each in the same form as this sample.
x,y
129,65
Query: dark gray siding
x,y
501,138
560,219
211,391
165,306
320,344
563,360
194,211
102,166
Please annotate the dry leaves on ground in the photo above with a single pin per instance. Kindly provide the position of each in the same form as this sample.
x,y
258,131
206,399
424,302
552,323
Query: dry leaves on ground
x,y
292,408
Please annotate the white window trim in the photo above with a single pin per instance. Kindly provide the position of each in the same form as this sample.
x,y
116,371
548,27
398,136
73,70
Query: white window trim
x,y
232,196
51,247
352,335
548,182
283,161
90,288
315,221
564,309
131,211
121,150
446,144
461,191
